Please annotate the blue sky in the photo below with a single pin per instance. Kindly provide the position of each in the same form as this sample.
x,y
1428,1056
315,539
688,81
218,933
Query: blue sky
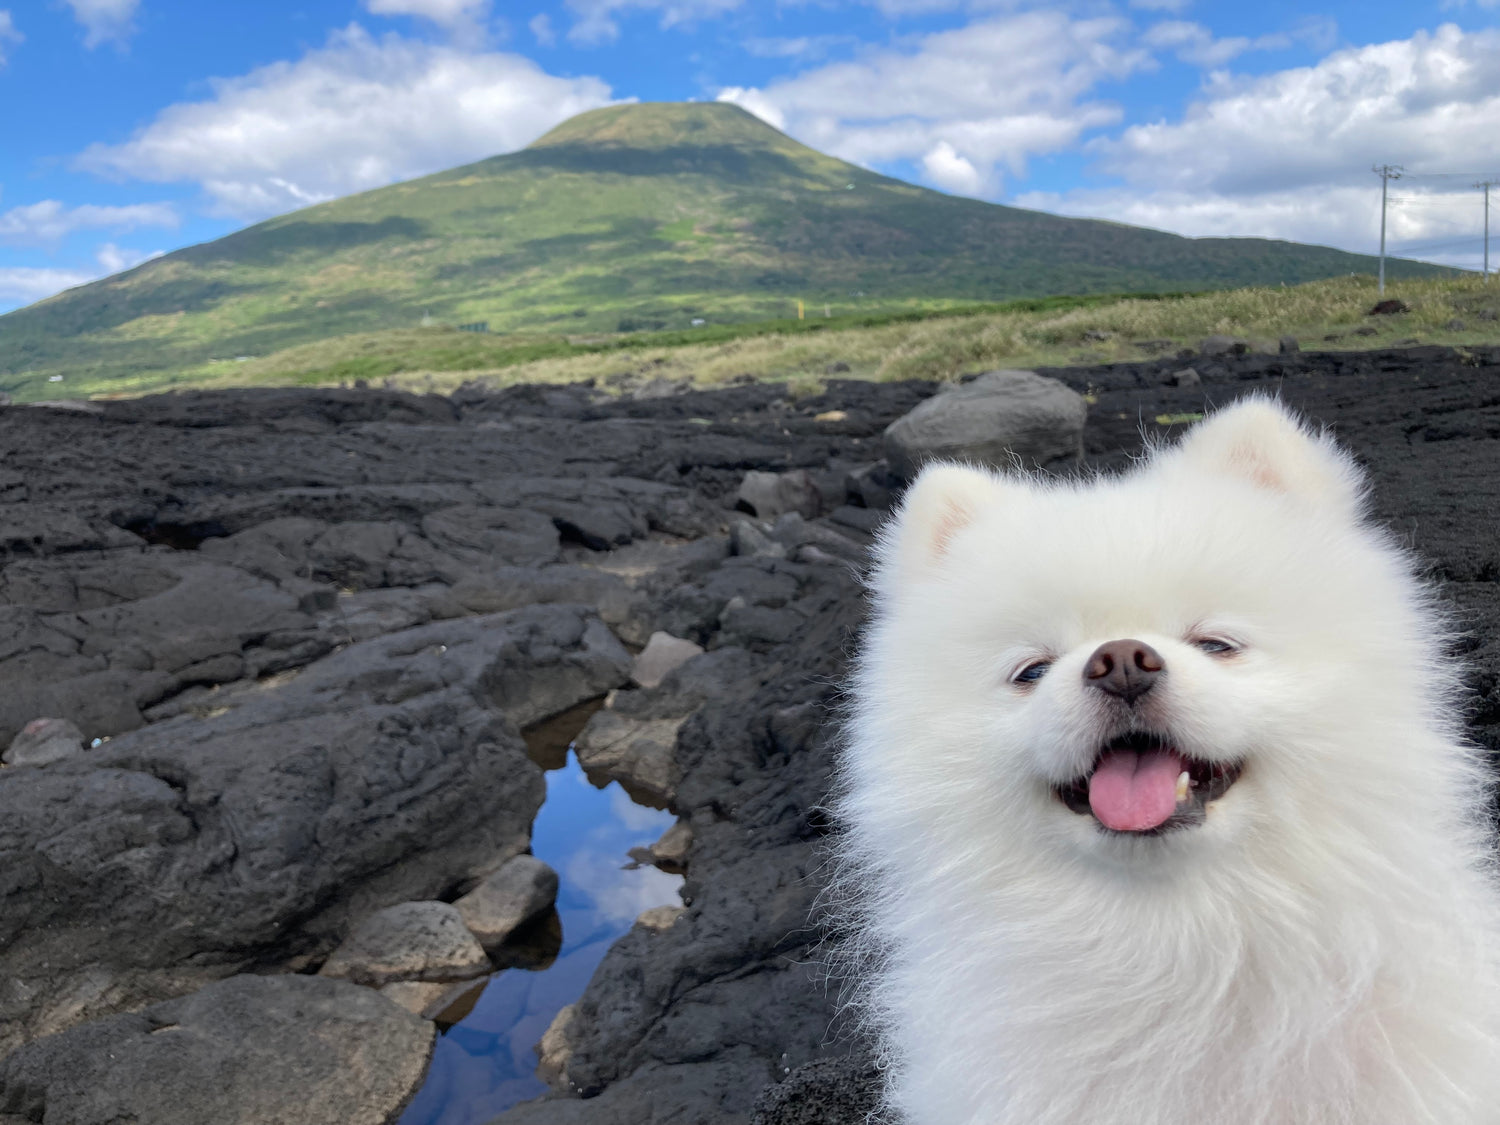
x,y
132,127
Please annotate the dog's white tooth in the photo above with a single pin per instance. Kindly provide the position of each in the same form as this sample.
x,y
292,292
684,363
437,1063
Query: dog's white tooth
x,y
1182,786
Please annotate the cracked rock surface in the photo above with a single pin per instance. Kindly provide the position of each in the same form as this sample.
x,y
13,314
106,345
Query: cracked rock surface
x,y
311,624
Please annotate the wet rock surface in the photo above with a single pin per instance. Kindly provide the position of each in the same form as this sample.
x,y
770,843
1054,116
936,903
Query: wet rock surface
x,y
310,625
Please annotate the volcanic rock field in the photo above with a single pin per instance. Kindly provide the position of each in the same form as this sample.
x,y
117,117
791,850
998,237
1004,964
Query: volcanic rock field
x,y
301,633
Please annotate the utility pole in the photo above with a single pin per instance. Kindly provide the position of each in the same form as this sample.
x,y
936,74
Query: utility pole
x,y
1484,186
1387,173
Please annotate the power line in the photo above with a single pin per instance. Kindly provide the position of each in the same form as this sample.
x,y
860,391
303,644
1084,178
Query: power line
x,y
1477,181
1448,175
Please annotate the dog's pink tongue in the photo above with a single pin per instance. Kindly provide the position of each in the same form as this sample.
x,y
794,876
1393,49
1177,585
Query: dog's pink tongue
x,y
1135,791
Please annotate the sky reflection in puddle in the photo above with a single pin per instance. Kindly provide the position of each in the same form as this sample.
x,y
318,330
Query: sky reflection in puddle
x,y
486,1062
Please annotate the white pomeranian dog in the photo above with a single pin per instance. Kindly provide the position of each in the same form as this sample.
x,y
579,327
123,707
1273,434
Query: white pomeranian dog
x,y
1156,805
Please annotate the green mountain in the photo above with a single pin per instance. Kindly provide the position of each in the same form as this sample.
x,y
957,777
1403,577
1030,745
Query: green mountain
x,y
634,217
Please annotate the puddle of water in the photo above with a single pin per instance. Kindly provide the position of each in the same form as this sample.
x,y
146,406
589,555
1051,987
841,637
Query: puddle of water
x,y
486,1062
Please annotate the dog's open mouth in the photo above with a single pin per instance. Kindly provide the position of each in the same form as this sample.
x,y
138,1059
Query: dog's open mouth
x,y
1141,784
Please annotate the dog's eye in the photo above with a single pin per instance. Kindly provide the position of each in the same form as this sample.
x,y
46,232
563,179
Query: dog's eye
x,y
1032,672
1214,646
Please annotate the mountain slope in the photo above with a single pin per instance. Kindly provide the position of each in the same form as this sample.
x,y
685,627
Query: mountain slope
x,y
640,216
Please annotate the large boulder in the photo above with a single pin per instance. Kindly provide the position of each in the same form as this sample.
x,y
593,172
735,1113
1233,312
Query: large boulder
x,y
1000,419
281,1050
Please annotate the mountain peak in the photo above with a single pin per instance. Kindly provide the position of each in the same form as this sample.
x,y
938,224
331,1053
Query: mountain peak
x,y
664,125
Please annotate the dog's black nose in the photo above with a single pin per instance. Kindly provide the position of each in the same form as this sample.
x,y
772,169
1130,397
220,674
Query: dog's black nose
x,y
1127,669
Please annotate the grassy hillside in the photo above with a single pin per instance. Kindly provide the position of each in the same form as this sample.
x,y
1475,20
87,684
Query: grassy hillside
x,y
1324,315
625,219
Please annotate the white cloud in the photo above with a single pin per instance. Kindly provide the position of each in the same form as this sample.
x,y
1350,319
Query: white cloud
x,y
944,167
756,102
795,47
1429,101
455,15
50,221
1194,43
114,259
619,896
356,114
594,21
641,819
8,34
105,20
1288,154
1162,5
965,103
23,285
541,27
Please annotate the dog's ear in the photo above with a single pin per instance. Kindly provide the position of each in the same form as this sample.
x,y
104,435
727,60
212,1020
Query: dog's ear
x,y
941,502
1259,441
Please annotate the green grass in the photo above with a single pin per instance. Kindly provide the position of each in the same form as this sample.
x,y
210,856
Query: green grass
x,y
929,344
635,219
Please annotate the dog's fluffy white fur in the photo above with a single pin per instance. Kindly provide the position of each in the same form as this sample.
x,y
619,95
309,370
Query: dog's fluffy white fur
x,y
1322,948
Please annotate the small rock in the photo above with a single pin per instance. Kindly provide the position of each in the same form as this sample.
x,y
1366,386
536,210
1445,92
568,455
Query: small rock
x,y
998,418
768,495
1389,307
660,918
751,540
1455,325
1366,330
866,520
425,941
1288,345
870,486
1098,334
670,852
831,416
312,597
641,754
555,1050
506,900
416,996
838,368
1222,345
1488,314
1186,377
456,1001
5,399
42,741
663,653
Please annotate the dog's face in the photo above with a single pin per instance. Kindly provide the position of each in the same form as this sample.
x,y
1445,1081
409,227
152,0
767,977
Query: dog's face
x,y
1161,664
